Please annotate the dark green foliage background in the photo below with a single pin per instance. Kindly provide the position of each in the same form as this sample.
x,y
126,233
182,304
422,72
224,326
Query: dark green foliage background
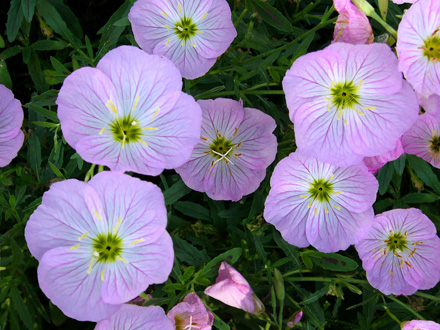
x,y
42,41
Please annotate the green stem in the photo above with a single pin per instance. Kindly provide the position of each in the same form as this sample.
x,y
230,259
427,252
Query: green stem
x,y
427,296
90,173
325,279
387,27
298,270
164,182
409,309
240,17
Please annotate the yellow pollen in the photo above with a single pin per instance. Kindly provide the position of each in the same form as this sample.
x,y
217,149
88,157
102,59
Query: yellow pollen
x,y
336,207
417,243
369,108
397,255
391,233
194,45
203,138
412,252
111,106
122,259
198,31
137,241
237,155
386,241
303,196
166,26
102,131
401,263
345,122
102,275
238,145
90,266
338,192
149,128
310,204
75,247
123,141
359,86
163,13
212,164
168,40
183,43
218,133
204,16
406,234
331,85
332,176
180,9
143,142
326,210
408,264
207,152
385,251
83,236
155,113
235,133
359,112
316,212
117,225
226,161
97,215
390,272
136,100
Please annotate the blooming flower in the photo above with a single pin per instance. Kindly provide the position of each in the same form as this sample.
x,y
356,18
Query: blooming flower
x,y
191,33
352,25
376,163
131,317
99,244
418,46
399,2
311,202
11,136
129,113
400,253
232,289
191,314
430,104
349,102
423,139
236,146
421,325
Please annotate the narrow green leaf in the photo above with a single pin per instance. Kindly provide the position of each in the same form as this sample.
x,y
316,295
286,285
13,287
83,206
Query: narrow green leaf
x,y
193,210
49,45
176,192
15,17
34,153
21,308
332,261
36,72
5,78
210,268
28,7
219,324
384,177
424,171
44,112
289,250
58,66
272,16
56,171
186,252
383,8
420,198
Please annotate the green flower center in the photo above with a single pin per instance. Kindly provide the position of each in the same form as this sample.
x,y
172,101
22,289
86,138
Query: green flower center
x,y
185,28
431,48
396,242
434,144
107,247
321,190
221,146
126,130
344,95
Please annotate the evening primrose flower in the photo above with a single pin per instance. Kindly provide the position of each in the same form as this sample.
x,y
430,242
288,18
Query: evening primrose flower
x,y
421,325
129,113
191,313
11,136
374,164
348,102
191,33
400,253
236,146
311,202
99,244
423,139
132,317
418,46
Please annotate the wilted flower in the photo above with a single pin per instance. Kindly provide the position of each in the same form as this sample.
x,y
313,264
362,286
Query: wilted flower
x,y
99,244
236,146
129,113
191,313
376,163
311,202
421,325
232,289
423,139
132,317
348,102
352,25
418,46
192,34
400,253
294,319
11,136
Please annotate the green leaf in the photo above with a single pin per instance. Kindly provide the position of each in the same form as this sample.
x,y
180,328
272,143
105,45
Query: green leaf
x,y
383,8
21,308
193,210
176,192
210,268
49,45
44,112
272,16
58,66
35,71
420,198
219,324
34,153
424,171
5,78
289,250
384,177
28,7
56,171
188,253
15,17
332,261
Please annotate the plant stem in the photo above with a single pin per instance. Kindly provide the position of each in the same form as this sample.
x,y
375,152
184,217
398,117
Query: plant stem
x,y
409,309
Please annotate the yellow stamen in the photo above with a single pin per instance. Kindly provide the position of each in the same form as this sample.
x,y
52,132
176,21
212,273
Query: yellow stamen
x,y
75,247
144,143
391,233
359,112
303,196
338,192
360,84
155,113
397,255
316,212
166,26
204,16
123,141
194,45
102,275
168,40
122,259
433,133
117,225
219,135
149,128
336,207
90,266
408,264
137,241
326,210
183,43
111,106
198,31
136,100
97,215
180,9
207,152
237,155
332,176
102,131
235,133
238,145
83,236
406,234
412,252
345,122
203,138
417,243
310,204
163,13
369,108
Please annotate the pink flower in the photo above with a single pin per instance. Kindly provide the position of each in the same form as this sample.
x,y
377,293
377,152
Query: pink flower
x,y
421,325
190,314
374,164
352,25
232,289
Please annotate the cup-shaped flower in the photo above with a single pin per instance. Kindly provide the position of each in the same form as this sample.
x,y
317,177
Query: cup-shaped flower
x,y
129,113
311,202
236,146
352,25
99,244
423,139
132,317
430,104
400,253
232,289
349,102
418,46
376,163
191,33
191,314
11,118
421,325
